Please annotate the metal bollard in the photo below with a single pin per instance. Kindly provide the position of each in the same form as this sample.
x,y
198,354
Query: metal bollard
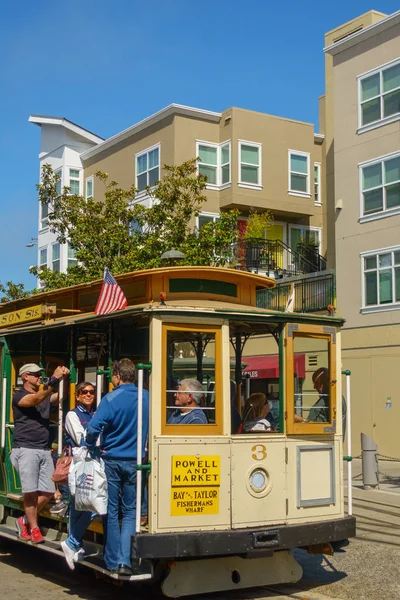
x,y
370,469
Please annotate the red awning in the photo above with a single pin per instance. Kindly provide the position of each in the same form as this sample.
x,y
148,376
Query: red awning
x,y
267,367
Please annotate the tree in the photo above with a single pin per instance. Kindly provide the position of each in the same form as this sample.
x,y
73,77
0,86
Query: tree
x,y
258,224
125,236
13,291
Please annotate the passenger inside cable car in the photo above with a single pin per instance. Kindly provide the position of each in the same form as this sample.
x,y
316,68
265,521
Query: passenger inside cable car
x,y
257,416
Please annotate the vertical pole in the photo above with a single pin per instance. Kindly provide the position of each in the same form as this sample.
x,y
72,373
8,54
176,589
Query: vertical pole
x,y
247,385
238,371
99,381
72,371
139,442
349,466
3,412
60,416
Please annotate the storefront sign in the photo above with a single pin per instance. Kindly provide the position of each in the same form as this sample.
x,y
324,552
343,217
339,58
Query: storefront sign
x,y
195,485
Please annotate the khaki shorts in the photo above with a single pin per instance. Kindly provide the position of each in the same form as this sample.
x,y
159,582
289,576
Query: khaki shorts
x,y
35,468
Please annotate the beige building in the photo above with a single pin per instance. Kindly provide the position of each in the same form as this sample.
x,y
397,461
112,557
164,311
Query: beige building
x,y
361,113
252,160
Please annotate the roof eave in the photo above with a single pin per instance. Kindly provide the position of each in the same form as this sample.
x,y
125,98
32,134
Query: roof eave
x,y
63,122
172,109
363,34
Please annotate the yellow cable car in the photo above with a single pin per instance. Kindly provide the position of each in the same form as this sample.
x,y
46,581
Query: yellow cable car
x,y
226,504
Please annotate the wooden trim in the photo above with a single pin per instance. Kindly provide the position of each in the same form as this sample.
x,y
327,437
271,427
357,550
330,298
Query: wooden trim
x,y
193,430
312,332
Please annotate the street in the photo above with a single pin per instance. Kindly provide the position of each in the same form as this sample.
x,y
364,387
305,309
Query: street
x,y
363,571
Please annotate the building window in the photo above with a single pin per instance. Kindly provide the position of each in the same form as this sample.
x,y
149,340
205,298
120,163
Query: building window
x,y
214,163
59,182
43,257
74,181
317,183
205,218
379,95
225,151
381,272
380,186
208,162
55,257
299,173
44,216
147,168
89,188
250,164
71,257
301,236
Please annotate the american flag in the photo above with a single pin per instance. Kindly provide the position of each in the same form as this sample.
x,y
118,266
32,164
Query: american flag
x,y
111,296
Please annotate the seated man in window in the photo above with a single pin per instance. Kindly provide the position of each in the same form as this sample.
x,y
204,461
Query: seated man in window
x,y
188,398
319,412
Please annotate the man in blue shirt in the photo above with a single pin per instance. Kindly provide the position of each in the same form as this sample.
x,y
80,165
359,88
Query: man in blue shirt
x,y
187,400
116,420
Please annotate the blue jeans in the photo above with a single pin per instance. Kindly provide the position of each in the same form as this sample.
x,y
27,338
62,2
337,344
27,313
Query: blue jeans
x,y
121,482
79,521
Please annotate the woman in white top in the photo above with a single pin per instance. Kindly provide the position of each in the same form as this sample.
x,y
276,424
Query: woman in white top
x,y
76,423
255,411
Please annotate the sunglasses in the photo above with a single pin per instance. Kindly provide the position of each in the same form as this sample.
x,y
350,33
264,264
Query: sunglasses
x,y
35,374
91,392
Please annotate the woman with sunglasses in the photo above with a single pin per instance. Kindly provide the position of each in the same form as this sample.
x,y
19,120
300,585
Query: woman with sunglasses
x,y
76,423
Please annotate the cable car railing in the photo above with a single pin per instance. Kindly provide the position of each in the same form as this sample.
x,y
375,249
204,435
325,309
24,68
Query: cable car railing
x,y
311,293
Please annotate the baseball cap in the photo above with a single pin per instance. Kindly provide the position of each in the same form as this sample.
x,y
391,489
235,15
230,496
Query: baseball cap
x,y
30,368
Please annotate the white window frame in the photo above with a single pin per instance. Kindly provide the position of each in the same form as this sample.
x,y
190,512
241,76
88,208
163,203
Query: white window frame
x,y
377,307
43,221
60,173
214,216
307,228
89,180
44,264
78,179
141,153
58,259
318,198
291,192
385,120
244,184
74,260
219,185
383,213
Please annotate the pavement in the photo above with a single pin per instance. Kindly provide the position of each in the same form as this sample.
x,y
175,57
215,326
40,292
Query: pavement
x,y
377,509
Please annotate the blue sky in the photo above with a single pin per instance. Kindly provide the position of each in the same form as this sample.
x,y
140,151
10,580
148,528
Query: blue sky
x,y
106,65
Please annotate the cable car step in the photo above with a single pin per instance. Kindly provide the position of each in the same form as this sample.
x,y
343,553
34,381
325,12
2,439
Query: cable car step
x,y
16,497
93,561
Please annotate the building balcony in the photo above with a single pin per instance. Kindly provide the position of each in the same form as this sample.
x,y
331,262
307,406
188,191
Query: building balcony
x,y
276,259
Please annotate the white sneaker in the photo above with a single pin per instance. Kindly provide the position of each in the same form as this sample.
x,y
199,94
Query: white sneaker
x,y
69,555
80,555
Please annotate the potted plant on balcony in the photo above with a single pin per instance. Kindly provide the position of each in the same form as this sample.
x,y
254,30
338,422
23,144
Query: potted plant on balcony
x,y
254,238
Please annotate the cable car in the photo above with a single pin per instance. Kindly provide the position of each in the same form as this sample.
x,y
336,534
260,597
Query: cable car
x,y
225,509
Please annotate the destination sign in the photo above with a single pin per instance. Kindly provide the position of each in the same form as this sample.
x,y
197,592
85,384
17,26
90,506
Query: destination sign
x,y
195,485
22,315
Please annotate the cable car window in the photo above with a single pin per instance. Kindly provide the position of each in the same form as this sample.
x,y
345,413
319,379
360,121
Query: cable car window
x,y
312,386
192,384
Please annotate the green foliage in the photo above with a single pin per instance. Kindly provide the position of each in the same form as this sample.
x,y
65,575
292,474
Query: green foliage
x,y
117,233
258,224
13,291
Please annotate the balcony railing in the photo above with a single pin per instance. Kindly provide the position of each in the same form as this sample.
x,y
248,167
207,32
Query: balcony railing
x,y
277,259
311,294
